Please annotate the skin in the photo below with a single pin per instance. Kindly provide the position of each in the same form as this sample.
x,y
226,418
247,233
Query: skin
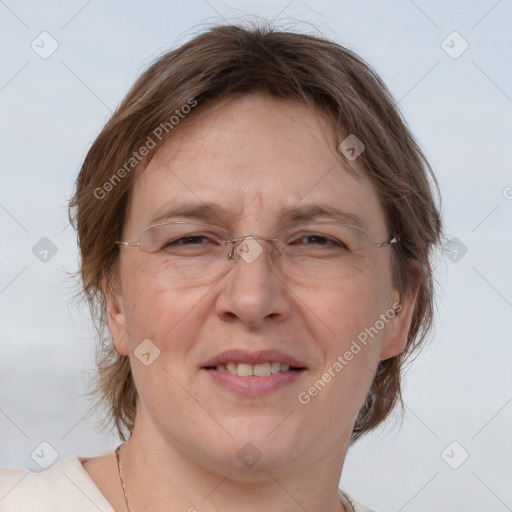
x,y
254,156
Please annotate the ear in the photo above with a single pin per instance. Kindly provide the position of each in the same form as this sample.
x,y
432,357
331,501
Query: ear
x,y
115,315
395,335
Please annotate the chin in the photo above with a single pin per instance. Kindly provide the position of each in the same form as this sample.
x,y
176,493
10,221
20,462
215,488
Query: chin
x,y
259,445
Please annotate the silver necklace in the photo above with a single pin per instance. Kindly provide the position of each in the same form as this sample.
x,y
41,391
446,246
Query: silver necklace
x,y
120,469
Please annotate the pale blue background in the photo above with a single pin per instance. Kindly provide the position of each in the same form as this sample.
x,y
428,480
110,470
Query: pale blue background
x,y
459,389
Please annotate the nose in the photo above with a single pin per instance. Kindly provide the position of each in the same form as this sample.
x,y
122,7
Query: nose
x,y
253,292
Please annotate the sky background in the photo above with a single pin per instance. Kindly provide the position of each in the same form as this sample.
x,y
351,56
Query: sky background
x,y
455,91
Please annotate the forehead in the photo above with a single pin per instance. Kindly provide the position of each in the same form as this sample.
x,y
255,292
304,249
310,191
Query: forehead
x,y
255,158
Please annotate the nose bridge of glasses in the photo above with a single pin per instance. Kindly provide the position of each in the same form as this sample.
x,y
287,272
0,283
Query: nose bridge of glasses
x,y
249,249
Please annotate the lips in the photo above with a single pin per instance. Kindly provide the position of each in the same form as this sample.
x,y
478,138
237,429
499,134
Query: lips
x,y
253,374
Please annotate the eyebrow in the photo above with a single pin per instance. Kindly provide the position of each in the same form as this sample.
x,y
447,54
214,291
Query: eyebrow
x,y
199,211
209,212
313,212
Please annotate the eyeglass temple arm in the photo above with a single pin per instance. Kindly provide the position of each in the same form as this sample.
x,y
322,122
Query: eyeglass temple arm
x,y
393,240
128,244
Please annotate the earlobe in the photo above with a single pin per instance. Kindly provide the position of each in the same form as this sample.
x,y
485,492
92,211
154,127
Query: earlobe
x,y
396,333
115,317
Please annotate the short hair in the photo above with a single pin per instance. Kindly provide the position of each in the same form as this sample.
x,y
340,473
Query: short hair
x,y
226,60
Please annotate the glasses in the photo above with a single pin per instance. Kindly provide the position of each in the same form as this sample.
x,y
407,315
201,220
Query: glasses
x,y
182,250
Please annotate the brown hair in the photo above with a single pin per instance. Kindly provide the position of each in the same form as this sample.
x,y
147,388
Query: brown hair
x,y
228,60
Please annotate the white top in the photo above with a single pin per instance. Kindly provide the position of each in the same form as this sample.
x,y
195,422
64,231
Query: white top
x,y
65,487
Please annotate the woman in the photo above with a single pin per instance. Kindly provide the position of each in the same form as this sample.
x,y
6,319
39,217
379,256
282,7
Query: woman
x,y
255,224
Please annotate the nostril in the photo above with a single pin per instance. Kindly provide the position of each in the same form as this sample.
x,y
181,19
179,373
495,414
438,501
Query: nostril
x,y
228,316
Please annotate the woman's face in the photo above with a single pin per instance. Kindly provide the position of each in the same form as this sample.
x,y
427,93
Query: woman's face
x,y
252,160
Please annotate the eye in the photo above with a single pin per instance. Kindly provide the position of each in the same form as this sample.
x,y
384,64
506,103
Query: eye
x,y
316,240
191,241
188,240
320,240
182,238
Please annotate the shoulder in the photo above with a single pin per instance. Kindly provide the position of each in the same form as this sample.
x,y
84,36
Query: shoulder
x,y
355,505
64,486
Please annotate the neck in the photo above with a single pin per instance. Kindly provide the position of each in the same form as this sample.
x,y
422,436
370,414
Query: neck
x,y
157,474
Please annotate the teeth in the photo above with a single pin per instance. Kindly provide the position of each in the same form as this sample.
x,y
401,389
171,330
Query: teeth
x,y
275,367
244,370
261,369
253,370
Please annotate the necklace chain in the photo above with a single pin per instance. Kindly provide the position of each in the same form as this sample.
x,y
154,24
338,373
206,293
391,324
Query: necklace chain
x,y
120,469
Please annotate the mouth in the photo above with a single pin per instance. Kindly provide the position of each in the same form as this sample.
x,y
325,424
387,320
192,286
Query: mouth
x,y
255,370
253,373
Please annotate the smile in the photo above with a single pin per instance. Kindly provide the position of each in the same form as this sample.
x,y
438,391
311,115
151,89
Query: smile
x,y
255,370
253,373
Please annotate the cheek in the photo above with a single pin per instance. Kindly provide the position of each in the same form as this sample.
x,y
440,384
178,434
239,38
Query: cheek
x,y
348,340
339,312
171,320
167,315
351,346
